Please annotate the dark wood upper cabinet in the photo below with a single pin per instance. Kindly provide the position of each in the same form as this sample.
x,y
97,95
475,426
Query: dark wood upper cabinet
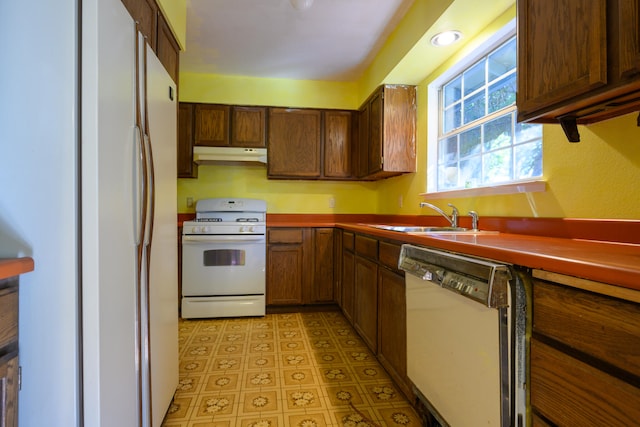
x,y
186,167
167,48
248,126
294,143
145,12
212,125
387,133
578,61
153,25
337,144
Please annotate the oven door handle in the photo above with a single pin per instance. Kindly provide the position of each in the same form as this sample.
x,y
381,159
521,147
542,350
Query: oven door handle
x,y
222,238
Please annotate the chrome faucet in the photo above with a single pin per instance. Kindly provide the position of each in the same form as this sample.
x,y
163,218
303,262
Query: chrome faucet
x,y
474,220
453,219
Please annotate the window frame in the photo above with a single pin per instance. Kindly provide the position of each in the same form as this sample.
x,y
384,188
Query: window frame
x,y
433,126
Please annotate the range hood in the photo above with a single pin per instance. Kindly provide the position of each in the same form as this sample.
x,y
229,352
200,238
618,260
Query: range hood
x,y
229,155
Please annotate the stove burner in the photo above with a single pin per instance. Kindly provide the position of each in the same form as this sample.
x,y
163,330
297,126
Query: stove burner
x,y
209,219
247,220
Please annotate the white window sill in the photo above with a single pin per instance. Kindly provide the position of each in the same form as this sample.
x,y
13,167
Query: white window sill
x,y
511,188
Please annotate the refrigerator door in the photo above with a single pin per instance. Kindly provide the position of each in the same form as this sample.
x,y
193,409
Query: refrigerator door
x,y
163,274
107,197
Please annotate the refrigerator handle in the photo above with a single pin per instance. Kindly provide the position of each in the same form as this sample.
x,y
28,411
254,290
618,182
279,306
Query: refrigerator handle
x,y
139,193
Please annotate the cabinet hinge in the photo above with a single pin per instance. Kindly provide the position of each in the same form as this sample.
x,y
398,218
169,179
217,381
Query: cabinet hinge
x,y
381,161
19,377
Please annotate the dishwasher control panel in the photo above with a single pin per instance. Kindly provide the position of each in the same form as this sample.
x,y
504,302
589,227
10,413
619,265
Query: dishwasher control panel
x,y
468,286
481,280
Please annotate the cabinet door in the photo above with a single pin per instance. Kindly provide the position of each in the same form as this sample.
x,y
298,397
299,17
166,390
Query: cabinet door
x,y
627,33
212,125
375,154
561,51
186,167
392,331
145,12
337,144
284,274
9,390
167,48
294,143
322,285
366,301
348,284
248,126
363,142
570,392
399,129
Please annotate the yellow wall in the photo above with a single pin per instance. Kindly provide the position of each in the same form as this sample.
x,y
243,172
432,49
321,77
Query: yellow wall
x,y
596,178
176,13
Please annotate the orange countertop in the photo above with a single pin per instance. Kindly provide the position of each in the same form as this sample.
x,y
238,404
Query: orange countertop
x,y
15,266
610,263
606,251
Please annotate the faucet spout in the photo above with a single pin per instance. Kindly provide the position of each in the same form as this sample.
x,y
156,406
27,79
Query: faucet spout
x,y
453,219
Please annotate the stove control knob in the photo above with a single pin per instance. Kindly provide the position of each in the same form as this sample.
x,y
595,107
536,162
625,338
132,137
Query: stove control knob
x,y
250,229
206,230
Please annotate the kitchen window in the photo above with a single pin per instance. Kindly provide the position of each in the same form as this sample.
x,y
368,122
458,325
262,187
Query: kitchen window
x,y
474,140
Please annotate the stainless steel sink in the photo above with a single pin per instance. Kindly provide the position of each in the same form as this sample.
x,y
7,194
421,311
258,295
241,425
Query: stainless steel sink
x,y
413,229
418,229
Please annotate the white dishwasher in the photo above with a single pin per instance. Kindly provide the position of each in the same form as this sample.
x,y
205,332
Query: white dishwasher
x,y
466,338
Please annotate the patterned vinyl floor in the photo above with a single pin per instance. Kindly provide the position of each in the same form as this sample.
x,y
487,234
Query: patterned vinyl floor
x,y
293,369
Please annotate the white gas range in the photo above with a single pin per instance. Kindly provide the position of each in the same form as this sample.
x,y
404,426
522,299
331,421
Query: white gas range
x,y
224,259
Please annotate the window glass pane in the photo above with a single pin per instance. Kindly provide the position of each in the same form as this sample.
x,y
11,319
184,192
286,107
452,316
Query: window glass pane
x,y
448,176
470,142
527,132
474,107
529,160
477,112
497,133
497,166
452,118
502,60
502,93
453,91
448,150
474,78
471,172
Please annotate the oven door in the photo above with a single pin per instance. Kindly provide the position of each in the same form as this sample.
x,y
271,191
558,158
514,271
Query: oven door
x,y
223,265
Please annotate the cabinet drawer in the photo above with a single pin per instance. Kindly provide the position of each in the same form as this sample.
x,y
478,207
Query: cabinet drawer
x,y
285,235
347,240
367,247
569,392
8,316
603,327
388,253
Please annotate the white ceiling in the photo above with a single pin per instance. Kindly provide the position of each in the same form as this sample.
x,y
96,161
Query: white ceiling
x,y
333,40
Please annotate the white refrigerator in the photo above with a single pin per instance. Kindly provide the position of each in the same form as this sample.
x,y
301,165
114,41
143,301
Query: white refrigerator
x,y
129,234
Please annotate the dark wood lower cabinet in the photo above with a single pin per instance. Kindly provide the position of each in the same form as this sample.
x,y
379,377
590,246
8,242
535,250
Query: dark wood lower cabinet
x,y
585,356
285,266
392,327
365,319
9,351
348,285
284,274
9,389
320,289
300,266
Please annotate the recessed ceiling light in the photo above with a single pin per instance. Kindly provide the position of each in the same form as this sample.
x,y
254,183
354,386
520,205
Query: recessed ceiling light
x,y
301,4
446,38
